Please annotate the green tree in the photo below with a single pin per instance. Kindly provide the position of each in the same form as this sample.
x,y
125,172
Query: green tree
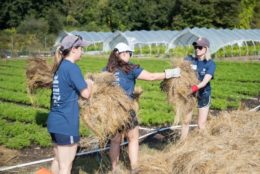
x,y
74,10
12,12
247,13
7,39
256,16
55,20
32,25
150,15
15,11
35,30
226,13
192,13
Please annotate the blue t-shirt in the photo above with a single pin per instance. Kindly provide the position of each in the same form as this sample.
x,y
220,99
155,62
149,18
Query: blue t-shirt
x,y
202,68
127,80
64,114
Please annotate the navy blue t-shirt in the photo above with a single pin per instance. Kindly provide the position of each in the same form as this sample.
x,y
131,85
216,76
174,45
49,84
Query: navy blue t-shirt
x,y
202,68
127,80
64,114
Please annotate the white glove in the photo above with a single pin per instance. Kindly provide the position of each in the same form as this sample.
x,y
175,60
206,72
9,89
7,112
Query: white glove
x,y
194,67
175,72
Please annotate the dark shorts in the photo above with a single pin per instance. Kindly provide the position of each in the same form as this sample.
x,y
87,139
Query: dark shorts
x,y
133,122
61,139
204,99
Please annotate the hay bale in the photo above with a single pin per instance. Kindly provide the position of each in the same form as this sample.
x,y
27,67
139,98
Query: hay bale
x,y
38,74
178,91
108,107
235,149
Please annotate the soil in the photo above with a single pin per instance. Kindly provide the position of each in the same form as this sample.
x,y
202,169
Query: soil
x,y
9,157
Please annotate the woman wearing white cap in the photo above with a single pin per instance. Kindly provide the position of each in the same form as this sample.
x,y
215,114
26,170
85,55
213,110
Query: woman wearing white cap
x,y
126,74
205,68
63,120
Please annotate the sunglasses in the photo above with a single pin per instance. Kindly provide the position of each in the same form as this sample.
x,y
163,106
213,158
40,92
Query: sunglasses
x,y
198,47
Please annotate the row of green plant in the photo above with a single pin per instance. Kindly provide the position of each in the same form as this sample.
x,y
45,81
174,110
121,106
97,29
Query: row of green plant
x,y
153,49
41,99
95,47
12,71
236,50
9,85
18,63
10,78
19,135
26,114
182,51
227,51
237,71
232,82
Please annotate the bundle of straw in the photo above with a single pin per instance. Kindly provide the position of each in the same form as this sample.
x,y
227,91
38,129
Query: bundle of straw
x,y
107,109
179,91
38,73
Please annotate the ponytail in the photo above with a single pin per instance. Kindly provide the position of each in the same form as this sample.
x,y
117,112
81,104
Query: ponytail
x,y
60,53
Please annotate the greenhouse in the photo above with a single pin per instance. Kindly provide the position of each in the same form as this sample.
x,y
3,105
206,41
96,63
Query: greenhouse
x,y
139,39
93,37
223,42
219,38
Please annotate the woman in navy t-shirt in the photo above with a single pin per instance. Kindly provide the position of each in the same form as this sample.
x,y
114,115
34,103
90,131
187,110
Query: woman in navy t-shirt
x,y
63,120
126,74
205,68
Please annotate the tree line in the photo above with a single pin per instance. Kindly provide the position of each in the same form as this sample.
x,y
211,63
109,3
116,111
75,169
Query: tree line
x,y
40,18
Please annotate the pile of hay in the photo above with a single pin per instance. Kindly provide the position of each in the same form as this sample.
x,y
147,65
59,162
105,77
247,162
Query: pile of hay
x,y
230,144
179,91
39,74
107,109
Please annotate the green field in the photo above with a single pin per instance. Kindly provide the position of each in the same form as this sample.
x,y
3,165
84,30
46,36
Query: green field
x,y
23,123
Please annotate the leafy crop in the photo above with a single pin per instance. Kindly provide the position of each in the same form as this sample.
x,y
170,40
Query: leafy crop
x,y
23,117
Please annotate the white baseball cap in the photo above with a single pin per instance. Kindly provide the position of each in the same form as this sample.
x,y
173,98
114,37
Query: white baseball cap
x,y
121,47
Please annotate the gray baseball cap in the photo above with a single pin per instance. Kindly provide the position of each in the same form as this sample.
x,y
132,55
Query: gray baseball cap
x,y
70,41
202,41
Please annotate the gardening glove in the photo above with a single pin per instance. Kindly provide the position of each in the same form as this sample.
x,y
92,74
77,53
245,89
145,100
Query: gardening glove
x,y
194,67
194,89
175,72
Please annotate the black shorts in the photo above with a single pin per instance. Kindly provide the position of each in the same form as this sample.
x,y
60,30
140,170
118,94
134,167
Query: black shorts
x,y
61,139
204,99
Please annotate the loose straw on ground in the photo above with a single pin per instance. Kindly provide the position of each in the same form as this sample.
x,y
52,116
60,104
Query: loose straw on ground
x,y
230,144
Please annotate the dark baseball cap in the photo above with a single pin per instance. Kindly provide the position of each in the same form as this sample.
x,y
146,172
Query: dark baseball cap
x,y
202,41
70,41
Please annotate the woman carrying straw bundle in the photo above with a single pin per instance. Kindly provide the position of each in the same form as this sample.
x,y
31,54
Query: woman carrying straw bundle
x,y
63,120
205,68
126,74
